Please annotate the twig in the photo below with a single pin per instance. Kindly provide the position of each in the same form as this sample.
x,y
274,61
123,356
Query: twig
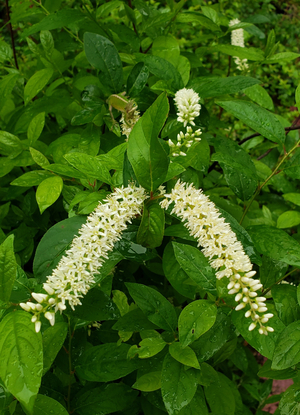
x,y
277,282
134,27
287,130
11,34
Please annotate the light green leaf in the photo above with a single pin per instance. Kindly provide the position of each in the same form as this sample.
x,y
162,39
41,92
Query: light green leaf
x,y
259,95
44,405
289,403
196,319
251,54
257,118
21,362
220,397
8,268
151,230
149,382
148,347
48,192
288,219
35,127
292,197
213,86
36,83
287,348
185,356
10,145
282,57
89,165
39,158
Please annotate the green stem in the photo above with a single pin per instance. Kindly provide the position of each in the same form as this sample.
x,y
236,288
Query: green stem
x,y
70,366
267,179
277,282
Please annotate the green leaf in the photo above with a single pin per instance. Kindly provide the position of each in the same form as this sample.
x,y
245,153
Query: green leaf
x,y
275,243
105,399
64,170
105,363
175,274
220,397
289,403
137,79
166,47
266,372
90,166
239,170
97,306
185,356
197,157
151,230
287,351
265,345
271,271
292,197
36,83
149,382
162,69
197,267
145,153
178,386
243,236
48,192
259,95
194,17
10,145
251,54
285,298
21,362
194,320
8,268
212,341
47,42
156,307
257,118
53,339
45,405
65,17
197,404
38,157
148,347
135,321
35,128
282,57
103,55
288,219
297,96
270,43
32,178
53,244
212,86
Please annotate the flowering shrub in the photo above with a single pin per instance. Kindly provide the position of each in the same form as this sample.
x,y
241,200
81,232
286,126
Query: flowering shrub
x,y
149,212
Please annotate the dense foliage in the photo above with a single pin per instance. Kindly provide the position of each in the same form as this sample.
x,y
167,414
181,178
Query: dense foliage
x,y
92,109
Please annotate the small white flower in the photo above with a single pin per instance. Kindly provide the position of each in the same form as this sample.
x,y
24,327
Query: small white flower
x,y
40,298
187,101
38,326
237,39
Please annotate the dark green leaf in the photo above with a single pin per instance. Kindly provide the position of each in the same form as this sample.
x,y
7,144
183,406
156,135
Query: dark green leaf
x,y
53,339
275,244
21,362
8,268
194,17
36,83
255,117
251,54
105,363
282,57
211,86
194,320
197,404
289,403
220,397
105,399
197,267
287,351
271,271
137,79
145,153
266,372
103,55
134,321
45,405
178,386
270,43
151,230
64,170
156,307
259,95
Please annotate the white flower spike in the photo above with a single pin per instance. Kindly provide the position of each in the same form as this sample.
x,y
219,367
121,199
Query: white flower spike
x,y
221,247
237,39
187,102
74,274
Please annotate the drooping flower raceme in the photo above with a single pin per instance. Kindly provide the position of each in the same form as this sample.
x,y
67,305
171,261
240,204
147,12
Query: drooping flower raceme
x,y
74,275
237,39
128,122
187,102
225,252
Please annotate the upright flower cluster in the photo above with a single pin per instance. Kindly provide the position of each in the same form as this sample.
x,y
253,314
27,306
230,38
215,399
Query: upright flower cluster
x,y
75,272
184,140
225,252
187,101
237,39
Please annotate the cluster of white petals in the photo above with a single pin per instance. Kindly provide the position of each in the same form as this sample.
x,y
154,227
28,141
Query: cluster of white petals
x,y
187,102
237,39
225,252
74,275
128,122
184,140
